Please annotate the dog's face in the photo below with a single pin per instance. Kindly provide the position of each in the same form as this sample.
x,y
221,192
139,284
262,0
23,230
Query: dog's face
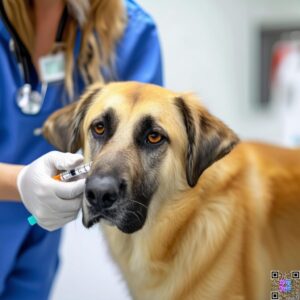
x,y
146,143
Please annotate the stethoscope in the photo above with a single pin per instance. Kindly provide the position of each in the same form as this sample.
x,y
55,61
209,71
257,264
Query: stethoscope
x,y
28,100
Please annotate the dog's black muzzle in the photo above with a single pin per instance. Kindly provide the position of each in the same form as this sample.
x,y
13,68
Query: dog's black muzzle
x,y
103,192
112,195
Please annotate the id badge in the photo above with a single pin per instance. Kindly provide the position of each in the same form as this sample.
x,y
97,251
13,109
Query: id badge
x,y
52,67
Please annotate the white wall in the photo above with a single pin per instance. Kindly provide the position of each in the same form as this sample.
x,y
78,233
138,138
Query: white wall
x,y
86,271
209,47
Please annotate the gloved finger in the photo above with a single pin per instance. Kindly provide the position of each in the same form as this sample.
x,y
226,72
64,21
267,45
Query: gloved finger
x,y
73,206
41,210
56,208
56,160
68,190
68,161
61,206
52,225
58,219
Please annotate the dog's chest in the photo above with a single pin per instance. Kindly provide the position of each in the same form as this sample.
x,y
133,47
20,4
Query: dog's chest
x,y
131,253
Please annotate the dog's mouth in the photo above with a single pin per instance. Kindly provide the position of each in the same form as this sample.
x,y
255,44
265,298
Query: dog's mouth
x,y
127,220
100,217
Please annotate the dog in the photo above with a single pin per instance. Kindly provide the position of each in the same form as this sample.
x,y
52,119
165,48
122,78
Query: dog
x,y
192,212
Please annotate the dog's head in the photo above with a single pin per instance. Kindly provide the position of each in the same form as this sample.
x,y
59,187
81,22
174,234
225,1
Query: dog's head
x,y
146,144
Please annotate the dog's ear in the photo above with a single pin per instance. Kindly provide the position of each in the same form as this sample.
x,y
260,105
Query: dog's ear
x,y
57,129
209,139
63,128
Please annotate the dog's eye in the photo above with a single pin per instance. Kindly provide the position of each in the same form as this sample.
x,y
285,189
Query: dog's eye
x,y
98,128
154,137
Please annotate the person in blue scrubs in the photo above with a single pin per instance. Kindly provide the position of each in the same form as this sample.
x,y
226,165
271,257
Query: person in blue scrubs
x,y
29,254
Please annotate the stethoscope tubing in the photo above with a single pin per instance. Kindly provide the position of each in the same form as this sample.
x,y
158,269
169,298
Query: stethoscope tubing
x,y
26,98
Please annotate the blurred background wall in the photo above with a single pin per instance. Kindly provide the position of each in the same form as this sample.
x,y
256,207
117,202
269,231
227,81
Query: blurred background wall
x,y
210,47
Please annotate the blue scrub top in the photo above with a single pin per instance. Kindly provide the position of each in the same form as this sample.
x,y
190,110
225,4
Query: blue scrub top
x,y
28,255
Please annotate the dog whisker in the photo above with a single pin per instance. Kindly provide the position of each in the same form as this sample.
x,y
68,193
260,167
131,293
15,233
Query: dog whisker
x,y
136,215
139,203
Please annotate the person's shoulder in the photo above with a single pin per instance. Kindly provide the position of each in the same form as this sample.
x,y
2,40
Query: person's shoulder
x,y
135,13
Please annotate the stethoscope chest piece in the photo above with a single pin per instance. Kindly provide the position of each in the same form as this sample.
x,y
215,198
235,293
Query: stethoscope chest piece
x,y
30,102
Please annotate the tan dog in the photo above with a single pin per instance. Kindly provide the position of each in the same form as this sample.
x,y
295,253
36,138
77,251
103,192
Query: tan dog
x,y
187,224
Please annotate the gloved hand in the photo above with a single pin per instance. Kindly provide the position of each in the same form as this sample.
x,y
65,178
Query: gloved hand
x,y
53,203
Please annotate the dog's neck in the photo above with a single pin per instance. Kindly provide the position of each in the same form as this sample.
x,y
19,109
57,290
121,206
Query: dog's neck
x,y
156,247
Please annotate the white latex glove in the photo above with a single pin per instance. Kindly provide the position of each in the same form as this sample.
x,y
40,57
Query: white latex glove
x,y
53,203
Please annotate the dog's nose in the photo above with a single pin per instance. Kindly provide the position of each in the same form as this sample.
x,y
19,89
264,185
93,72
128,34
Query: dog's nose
x,y
101,192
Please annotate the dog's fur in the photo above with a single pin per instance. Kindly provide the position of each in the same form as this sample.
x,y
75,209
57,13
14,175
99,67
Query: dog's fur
x,y
215,224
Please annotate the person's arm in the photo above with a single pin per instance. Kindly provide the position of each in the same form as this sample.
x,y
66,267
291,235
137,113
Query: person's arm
x,y
53,203
8,182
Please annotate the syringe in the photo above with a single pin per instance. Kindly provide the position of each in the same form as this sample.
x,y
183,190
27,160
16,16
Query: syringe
x,y
71,174
66,176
